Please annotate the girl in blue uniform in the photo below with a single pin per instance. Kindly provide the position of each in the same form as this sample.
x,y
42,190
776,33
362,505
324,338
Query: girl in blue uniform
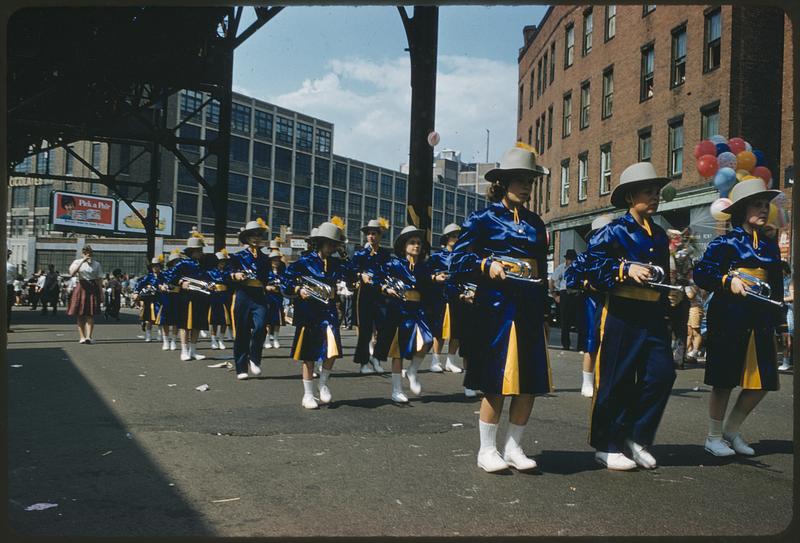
x,y
509,354
740,348
275,317
148,312
318,335
440,308
219,312
634,371
167,317
406,333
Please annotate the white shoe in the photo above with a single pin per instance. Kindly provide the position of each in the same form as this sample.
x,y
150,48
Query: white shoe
x,y
228,335
317,368
469,393
242,376
172,345
255,371
275,344
325,396
739,445
403,373
203,334
220,345
82,341
641,456
214,342
185,354
614,461
413,383
268,344
436,366
366,369
718,447
165,345
147,337
309,402
587,390
376,365
785,366
196,356
449,366
489,460
516,458
399,397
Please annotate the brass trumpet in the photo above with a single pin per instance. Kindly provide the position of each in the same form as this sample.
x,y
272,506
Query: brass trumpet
x,y
197,285
397,285
468,290
318,291
657,276
517,269
147,291
756,288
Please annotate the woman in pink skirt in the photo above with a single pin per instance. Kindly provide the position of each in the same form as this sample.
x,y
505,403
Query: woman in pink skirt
x,y
85,300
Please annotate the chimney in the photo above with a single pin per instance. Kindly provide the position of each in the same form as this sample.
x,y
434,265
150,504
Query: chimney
x,y
528,32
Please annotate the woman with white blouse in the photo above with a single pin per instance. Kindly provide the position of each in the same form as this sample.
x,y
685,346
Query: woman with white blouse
x,y
85,299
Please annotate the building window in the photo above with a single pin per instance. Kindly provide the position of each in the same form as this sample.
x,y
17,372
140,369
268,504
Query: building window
x,y
190,131
371,182
262,155
240,117
675,148
300,222
337,202
320,200
544,72
584,120
566,120
549,127
20,196
237,211
43,162
608,93
588,24
386,186
645,145
356,179
263,124
565,182
285,131
370,207
549,190
569,46
340,175
283,164
385,209
323,141
259,188
212,113
186,203
69,161
281,192
611,22
400,189
519,108
552,62
605,169
712,40
190,103
124,159
647,9
305,135
96,149
322,174
530,134
539,78
530,89
583,176
354,206
280,217
240,149
438,198
678,63
541,137
302,197
302,169
709,120
237,184
648,66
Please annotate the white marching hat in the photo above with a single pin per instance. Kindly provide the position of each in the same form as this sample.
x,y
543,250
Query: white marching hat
x,y
376,224
631,177
520,159
746,190
222,255
329,230
451,228
405,233
195,242
257,227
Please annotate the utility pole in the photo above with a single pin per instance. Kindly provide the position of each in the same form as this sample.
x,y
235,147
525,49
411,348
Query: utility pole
x,y
487,145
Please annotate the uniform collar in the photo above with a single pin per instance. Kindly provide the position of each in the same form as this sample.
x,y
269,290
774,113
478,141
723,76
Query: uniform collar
x,y
632,224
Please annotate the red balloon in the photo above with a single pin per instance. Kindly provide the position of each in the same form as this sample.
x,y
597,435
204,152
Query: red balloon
x,y
707,165
737,145
705,147
764,173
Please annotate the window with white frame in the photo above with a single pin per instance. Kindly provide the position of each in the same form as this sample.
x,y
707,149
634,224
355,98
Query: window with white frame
x,y
605,168
676,147
583,176
565,182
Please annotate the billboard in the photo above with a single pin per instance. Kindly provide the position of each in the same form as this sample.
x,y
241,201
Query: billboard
x,y
128,221
72,210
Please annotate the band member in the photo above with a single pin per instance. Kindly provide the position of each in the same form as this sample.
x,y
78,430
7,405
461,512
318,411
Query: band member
x,y
406,333
370,304
275,315
251,272
169,295
509,355
461,296
440,309
219,311
740,349
590,302
313,279
634,372
192,305
146,292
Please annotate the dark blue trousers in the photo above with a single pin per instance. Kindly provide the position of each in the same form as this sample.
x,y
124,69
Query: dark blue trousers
x,y
634,374
249,310
370,314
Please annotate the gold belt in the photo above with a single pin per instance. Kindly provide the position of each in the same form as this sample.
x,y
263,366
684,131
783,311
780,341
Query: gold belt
x,y
413,296
760,273
632,292
220,288
174,290
253,283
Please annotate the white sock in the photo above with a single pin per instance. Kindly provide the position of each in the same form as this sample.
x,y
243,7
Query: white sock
x,y
308,387
416,362
185,349
714,428
588,378
514,437
371,348
397,382
271,337
488,433
434,358
734,421
324,375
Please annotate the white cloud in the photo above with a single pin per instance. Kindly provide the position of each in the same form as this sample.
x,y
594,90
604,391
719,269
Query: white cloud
x,y
369,103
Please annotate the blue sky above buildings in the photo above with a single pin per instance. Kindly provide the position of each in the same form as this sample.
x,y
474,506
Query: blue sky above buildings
x,y
347,65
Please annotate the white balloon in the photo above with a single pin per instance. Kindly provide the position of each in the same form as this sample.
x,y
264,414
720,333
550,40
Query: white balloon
x,y
716,209
433,138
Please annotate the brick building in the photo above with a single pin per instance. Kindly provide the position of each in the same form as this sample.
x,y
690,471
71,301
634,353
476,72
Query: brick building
x,y
602,87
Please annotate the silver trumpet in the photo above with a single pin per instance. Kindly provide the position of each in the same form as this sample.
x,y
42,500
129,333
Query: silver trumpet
x,y
657,276
318,291
147,291
517,269
198,285
397,285
756,288
468,290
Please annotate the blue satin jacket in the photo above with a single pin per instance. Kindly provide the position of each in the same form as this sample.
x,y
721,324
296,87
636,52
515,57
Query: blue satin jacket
x,y
439,261
418,278
575,274
738,249
149,278
185,267
245,261
329,271
364,261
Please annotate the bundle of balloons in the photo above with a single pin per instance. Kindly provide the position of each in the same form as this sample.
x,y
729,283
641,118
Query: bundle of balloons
x,y
726,162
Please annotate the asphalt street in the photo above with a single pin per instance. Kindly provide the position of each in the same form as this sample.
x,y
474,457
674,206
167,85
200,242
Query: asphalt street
x,y
118,437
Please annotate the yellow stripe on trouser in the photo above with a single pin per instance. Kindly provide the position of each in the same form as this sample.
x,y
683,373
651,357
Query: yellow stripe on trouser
x,y
751,377
446,323
333,349
420,339
394,350
189,317
603,316
227,314
511,372
152,312
299,347
233,318
209,315
158,317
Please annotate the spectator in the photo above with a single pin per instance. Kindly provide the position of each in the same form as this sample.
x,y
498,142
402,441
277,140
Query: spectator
x,y
567,299
33,297
11,272
48,292
788,334
18,284
694,340
346,297
114,299
85,299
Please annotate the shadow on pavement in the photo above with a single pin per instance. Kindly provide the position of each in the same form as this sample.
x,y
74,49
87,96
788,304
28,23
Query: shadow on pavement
x,y
67,447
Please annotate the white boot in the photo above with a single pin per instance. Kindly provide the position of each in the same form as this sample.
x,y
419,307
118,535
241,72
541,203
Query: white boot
x,y
411,373
214,342
397,389
267,344
640,455
615,461
172,344
308,395
718,447
194,353
739,445
275,343
513,455
255,370
165,345
220,345
203,334
317,368
228,335
449,366
376,364
469,393
436,366
324,392
185,353
587,388
489,458
147,336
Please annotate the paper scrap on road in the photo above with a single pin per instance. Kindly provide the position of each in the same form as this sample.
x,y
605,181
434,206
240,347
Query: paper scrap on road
x,y
59,335
202,388
16,365
456,424
172,385
226,500
40,506
142,375
106,453
220,365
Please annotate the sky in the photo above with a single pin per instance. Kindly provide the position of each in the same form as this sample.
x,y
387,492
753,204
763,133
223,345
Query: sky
x,y
347,65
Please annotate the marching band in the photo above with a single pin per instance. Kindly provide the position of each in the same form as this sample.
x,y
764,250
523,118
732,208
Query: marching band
x,y
485,293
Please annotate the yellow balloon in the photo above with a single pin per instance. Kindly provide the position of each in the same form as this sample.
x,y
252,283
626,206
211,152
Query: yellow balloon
x,y
741,174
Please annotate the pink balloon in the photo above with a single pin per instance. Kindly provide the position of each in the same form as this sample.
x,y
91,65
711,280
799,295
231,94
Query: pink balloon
x,y
707,165
737,145
705,147
764,173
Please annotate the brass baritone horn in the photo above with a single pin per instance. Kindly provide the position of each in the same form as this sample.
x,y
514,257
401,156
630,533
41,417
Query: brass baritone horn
x,y
517,269
756,288
657,276
318,291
